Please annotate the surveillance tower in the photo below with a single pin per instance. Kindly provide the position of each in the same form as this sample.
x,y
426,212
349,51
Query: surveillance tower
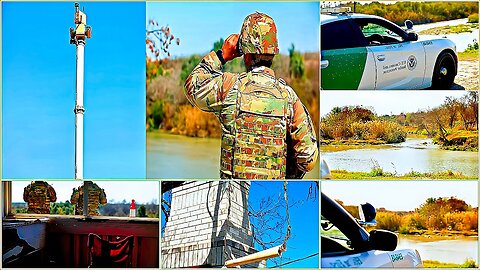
x,y
78,36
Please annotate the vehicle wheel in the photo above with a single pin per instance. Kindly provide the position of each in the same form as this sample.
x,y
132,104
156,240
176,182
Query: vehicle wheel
x,y
444,72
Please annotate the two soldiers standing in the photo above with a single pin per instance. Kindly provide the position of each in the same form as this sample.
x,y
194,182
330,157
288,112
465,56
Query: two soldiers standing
x,y
39,194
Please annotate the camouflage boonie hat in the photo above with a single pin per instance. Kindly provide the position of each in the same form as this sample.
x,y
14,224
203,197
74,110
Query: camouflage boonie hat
x,y
258,35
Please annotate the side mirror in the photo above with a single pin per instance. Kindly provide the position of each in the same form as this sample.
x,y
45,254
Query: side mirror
x,y
324,170
367,214
409,25
383,240
412,36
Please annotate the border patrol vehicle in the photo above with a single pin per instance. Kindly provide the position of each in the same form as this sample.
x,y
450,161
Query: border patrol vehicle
x,y
368,52
346,244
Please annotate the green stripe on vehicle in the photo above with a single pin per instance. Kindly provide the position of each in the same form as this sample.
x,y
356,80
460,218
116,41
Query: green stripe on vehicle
x,y
345,68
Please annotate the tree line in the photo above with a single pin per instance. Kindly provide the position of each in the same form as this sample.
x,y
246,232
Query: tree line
x,y
418,12
443,213
453,124
168,108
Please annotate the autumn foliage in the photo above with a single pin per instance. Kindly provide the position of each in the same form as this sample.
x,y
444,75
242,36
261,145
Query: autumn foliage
x,y
418,12
436,214
359,123
169,110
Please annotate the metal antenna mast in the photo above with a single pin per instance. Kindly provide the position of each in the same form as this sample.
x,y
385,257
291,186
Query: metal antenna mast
x,y
78,37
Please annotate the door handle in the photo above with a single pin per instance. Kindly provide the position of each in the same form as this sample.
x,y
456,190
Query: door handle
x,y
381,57
324,63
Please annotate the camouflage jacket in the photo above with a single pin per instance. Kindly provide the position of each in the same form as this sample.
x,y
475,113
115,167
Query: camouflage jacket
x,y
38,195
212,90
96,197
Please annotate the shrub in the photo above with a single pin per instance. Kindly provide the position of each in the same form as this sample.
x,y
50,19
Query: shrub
x,y
469,263
473,18
389,221
157,113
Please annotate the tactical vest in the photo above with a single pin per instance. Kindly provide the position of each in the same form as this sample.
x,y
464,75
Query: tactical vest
x,y
95,196
259,149
38,198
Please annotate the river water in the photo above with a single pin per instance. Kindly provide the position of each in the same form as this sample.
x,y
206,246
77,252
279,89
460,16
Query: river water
x,y
420,155
461,40
450,250
176,157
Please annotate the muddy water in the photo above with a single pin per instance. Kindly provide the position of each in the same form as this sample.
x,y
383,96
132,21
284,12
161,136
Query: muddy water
x,y
449,250
420,155
175,156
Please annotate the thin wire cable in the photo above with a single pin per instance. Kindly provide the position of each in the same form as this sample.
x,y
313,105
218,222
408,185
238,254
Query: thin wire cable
x,y
296,260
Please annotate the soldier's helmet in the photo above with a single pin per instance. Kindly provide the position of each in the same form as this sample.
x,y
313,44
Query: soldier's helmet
x,y
258,35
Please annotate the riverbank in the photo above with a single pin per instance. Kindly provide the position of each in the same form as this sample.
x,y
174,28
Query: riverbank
x,y
343,145
450,29
458,140
380,174
438,235
436,264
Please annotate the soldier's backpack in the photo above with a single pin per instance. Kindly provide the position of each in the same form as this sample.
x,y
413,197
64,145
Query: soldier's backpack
x,y
260,128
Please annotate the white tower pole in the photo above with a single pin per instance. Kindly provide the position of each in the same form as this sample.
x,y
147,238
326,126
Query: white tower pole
x,y
79,110
78,35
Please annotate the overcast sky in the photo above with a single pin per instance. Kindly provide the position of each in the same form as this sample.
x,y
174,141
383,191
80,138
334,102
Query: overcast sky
x,y
385,102
399,195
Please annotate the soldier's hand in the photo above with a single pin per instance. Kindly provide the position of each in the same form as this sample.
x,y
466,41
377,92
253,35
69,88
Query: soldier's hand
x,y
229,47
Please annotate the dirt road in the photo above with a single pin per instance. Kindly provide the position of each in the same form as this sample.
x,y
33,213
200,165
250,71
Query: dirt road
x,y
467,76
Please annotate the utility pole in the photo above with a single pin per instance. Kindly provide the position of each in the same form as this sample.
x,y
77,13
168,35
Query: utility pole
x,y
78,37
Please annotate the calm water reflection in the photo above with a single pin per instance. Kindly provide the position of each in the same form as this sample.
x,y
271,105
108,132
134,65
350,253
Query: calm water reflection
x,y
420,155
453,251
176,156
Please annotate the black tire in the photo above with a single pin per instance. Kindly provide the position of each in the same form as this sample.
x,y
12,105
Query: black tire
x,y
445,71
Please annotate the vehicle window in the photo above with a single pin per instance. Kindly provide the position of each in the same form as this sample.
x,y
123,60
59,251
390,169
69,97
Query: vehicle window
x,y
341,35
377,34
333,240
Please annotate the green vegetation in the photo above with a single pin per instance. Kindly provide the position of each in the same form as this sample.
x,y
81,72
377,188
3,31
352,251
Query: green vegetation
x,y
453,125
359,123
377,174
450,29
471,53
119,209
419,12
469,263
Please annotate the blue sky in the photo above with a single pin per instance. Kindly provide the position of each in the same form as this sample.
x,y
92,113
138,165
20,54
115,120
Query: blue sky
x,y
200,24
38,88
117,191
399,195
303,217
386,102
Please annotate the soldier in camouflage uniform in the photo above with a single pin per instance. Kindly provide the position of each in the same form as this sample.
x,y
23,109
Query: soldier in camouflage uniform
x,y
96,197
38,195
267,132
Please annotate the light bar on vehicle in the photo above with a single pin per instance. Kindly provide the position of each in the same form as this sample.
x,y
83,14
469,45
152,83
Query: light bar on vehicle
x,y
336,10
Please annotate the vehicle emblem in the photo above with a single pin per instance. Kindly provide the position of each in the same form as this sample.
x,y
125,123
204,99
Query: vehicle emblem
x,y
412,62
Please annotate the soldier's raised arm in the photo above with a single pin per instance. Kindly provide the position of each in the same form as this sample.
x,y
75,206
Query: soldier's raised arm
x,y
207,86
303,137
